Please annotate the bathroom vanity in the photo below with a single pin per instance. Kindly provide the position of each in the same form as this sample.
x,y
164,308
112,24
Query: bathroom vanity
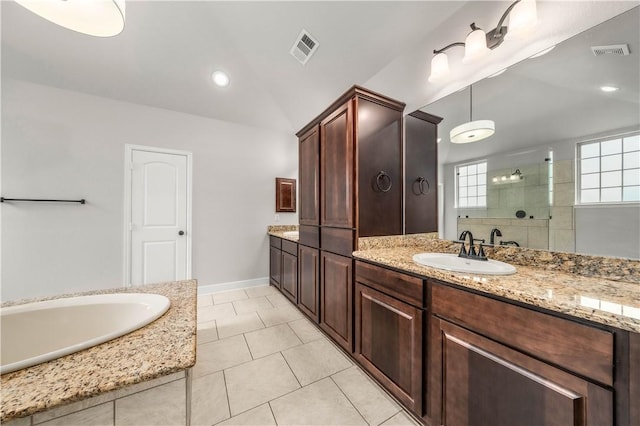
x,y
113,380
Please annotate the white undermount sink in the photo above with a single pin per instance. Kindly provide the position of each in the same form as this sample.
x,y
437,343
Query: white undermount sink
x,y
451,262
292,234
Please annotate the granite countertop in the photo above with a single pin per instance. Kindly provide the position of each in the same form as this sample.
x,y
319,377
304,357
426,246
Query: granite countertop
x,y
279,231
610,301
165,346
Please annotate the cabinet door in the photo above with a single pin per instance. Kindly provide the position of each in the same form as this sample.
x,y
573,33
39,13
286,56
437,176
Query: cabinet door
x,y
289,276
421,173
379,169
309,169
477,381
389,344
336,292
336,159
309,281
275,263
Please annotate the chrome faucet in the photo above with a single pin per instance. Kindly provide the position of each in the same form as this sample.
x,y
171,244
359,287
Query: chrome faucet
x,y
495,232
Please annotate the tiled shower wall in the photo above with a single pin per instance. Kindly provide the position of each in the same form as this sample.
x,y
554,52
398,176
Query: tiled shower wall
x,y
562,233
531,233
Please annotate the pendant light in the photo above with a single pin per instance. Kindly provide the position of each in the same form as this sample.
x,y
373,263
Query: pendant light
x,y
472,131
100,18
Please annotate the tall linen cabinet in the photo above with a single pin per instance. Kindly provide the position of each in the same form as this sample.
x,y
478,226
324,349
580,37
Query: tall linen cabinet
x,y
351,186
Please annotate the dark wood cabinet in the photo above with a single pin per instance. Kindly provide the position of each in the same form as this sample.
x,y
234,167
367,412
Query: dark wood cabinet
x,y
309,177
309,281
482,382
389,343
336,292
421,173
496,363
289,271
275,260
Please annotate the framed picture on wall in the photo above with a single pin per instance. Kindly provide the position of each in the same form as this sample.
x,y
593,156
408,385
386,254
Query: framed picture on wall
x,y
285,195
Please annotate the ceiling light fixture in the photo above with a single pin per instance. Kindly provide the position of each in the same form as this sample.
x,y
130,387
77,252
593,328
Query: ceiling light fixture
x,y
220,78
609,89
472,131
523,16
100,18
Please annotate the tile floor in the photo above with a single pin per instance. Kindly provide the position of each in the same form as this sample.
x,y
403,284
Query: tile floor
x,y
261,362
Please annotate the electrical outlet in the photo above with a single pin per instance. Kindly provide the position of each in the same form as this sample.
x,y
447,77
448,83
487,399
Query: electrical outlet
x,y
277,218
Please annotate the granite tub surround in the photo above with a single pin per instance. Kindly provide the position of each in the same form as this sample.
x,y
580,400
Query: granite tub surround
x,y
165,346
543,279
279,230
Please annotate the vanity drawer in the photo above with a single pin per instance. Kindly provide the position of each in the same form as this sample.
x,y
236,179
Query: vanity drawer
x,y
403,287
275,242
290,247
580,348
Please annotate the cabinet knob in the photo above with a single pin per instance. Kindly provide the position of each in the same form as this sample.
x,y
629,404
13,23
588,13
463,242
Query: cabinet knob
x,y
180,232
380,178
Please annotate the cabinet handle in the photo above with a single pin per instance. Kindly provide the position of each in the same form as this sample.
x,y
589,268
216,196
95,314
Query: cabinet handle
x,y
421,181
380,178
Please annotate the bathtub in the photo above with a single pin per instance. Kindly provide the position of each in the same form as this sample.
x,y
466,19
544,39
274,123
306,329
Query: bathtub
x,y
38,332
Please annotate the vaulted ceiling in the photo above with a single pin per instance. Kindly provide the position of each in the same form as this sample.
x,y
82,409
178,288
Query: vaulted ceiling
x,y
166,54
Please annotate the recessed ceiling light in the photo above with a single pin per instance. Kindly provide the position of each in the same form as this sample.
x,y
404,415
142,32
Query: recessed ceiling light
x,y
609,89
542,52
220,78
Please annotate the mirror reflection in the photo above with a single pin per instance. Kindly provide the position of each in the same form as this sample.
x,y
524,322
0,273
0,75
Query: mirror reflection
x,y
549,177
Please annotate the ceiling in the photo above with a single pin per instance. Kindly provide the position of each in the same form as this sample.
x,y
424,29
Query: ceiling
x,y
166,54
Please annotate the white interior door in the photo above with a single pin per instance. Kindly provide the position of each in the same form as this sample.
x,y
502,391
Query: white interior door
x,y
159,217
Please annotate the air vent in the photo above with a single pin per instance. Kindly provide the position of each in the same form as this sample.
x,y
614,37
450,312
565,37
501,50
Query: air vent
x,y
304,47
613,49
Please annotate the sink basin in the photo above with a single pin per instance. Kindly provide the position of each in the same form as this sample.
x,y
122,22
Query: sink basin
x,y
293,234
451,262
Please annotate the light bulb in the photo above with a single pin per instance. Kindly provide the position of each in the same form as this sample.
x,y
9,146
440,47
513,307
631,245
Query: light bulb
x,y
439,68
522,19
220,78
475,46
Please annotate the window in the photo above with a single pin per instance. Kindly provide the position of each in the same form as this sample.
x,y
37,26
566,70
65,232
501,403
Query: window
x,y
609,171
471,185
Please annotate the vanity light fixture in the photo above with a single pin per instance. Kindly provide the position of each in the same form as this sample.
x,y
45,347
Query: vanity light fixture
x,y
100,18
220,78
523,16
472,131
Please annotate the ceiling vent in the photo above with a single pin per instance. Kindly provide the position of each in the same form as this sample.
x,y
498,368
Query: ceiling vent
x,y
613,49
304,47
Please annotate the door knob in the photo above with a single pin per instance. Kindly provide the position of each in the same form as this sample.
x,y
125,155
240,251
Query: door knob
x,y
180,232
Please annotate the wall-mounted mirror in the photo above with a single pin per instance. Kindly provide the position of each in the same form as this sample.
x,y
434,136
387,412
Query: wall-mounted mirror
x,y
543,108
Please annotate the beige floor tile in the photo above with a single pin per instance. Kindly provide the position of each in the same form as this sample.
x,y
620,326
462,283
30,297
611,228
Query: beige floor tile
x,y
401,419
277,299
23,421
228,296
258,416
209,400
270,340
214,312
251,305
207,332
164,405
371,401
100,415
221,354
306,330
279,315
321,403
238,324
257,382
264,290
205,300
315,360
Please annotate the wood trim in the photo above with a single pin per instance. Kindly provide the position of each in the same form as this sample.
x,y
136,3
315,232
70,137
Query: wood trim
x,y
421,115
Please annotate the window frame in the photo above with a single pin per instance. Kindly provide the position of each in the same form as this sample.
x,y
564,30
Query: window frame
x,y
456,175
579,174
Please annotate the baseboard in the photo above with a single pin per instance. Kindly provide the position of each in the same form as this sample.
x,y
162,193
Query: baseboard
x,y
233,285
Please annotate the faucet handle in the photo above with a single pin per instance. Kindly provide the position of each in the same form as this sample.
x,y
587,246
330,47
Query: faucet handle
x,y
463,251
481,254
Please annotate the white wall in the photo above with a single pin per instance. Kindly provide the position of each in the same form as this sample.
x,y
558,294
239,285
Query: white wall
x,y
62,144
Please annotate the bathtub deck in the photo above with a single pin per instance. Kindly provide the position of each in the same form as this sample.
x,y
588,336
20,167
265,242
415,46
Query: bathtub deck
x,y
165,346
